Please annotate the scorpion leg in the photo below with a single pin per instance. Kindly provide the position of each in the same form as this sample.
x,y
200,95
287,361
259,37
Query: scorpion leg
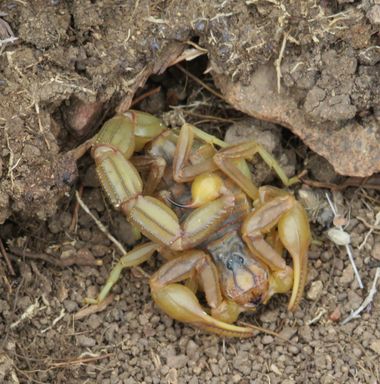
x,y
181,304
159,223
183,171
133,258
225,161
155,167
154,219
115,144
294,232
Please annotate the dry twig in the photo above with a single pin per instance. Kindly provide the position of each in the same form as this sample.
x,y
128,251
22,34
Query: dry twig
x,y
55,321
149,93
277,63
99,307
6,34
347,246
85,259
368,300
80,360
74,218
6,257
100,225
120,247
320,313
29,313
372,228
372,182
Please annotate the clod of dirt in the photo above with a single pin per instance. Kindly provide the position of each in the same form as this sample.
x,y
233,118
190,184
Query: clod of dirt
x,y
321,169
80,117
260,99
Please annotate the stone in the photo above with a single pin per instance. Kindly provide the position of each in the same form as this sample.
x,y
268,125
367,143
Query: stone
x,y
267,339
85,341
373,15
315,290
177,362
376,251
347,275
269,316
375,346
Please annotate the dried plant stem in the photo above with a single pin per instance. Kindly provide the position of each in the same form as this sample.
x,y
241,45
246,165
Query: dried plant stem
x,y
347,246
277,63
149,93
80,360
6,257
366,301
372,228
119,246
100,225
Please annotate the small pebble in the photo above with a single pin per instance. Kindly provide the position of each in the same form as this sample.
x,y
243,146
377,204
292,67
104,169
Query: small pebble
x,y
177,362
354,300
70,305
99,250
374,15
357,352
269,316
275,369
94,321
375,346
288,332
315,290
92,291
85,341
293,349
376,251
347,275
267,339
335,314
191,349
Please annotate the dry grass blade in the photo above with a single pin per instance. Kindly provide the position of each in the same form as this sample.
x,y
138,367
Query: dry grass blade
x,y
80,360
86,259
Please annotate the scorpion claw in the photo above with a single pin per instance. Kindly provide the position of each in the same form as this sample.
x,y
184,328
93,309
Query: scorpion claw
x,y
181,304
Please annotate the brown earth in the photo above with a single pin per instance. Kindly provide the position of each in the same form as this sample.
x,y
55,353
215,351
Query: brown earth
x,y
73,64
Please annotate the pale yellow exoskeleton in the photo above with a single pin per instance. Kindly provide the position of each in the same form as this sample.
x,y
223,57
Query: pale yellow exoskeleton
x,y
238,270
